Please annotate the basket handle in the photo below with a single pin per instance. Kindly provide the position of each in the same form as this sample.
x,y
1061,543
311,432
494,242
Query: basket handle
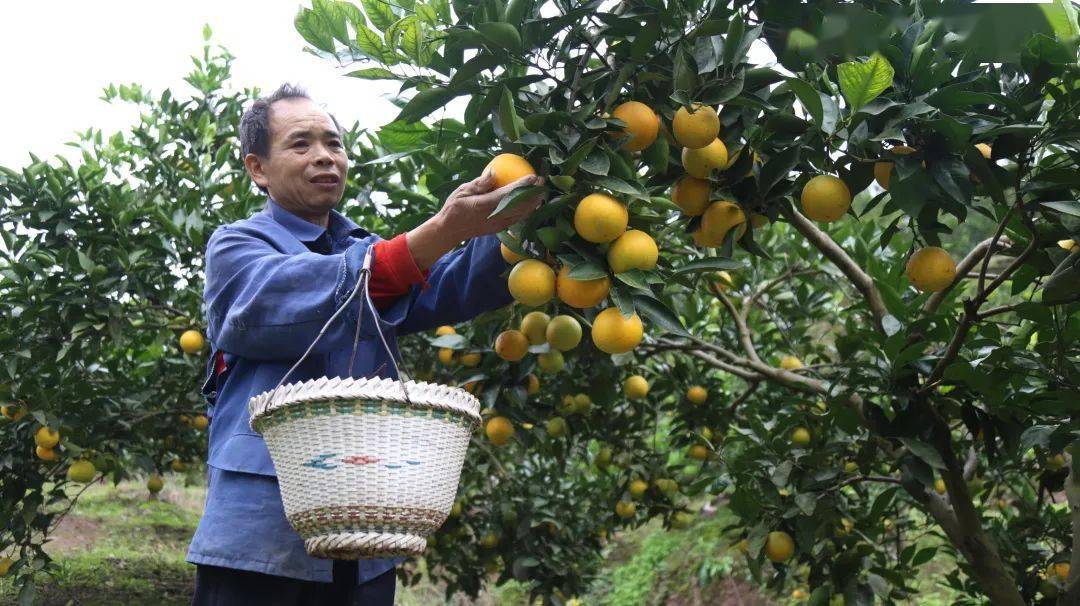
x,y
362,284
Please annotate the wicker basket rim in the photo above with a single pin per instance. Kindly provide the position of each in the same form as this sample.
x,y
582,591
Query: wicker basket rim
x,y
427,395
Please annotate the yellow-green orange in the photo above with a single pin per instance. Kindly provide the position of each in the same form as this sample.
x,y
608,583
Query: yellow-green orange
x,y
154,484
509,168
534,325
556,427
614,333
636,387
699,452
5,565
700,162
801,436
638,488
825,198
551,362
939,486
634,249
81,471
697,127
600,218
779,547
446,356
931,269
511,345
471,359
625,509
642,124
531,282
581,294
563,332
499,430
532,385
691,195
790,363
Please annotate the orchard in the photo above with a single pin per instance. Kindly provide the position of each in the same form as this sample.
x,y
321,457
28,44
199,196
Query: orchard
x,y
816,263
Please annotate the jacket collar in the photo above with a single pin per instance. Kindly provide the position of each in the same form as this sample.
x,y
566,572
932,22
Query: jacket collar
x,y
306,231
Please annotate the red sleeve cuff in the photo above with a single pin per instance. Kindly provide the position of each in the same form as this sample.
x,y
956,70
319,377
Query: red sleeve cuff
x,y
394,271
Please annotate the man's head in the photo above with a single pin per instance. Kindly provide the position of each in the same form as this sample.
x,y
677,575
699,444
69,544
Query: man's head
x,y
293,151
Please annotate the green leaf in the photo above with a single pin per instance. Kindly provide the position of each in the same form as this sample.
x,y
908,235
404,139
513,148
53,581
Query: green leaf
x,y
862,81
425,102
517,196
375,73
634,278
1069,208
508,118
925,452
502,35
685,71
709,264
659,313
378,11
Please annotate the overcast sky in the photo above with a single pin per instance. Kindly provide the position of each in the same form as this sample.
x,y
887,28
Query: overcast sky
x,y
59,55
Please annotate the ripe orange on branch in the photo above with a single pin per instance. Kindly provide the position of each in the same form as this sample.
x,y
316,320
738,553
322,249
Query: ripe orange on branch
x,y
614,333
700,162
691,194
642,124
509,168
825,198
581,294
634,249
931,269
697,127
511,345
599,218
531,283
191,341
719,218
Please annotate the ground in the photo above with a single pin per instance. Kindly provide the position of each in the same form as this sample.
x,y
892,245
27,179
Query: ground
x,y
119,547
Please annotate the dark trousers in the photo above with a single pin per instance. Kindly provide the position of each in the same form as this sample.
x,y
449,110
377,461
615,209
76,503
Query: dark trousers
x,y
217,586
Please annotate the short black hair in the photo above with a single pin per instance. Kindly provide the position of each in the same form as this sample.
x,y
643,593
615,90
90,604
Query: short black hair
x,y
255,123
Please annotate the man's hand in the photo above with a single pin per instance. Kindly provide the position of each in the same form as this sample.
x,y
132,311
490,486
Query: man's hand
x,y
465,215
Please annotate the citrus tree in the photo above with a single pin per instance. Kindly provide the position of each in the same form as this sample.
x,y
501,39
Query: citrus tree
x,y
816,260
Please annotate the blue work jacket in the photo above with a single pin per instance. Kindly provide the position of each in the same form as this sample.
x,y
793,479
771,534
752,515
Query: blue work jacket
x,y
272,282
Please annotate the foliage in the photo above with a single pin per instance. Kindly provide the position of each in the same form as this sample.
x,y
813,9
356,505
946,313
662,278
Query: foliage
x,y
974,385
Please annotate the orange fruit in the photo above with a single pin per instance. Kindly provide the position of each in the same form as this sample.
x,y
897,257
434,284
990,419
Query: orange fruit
x,y
509,168
642,124
691,195
581,293
697,129
499,430
700,162
931,269
614,334
445,330
511,345
600,218
882,168
531,283
636,387
508,255
191,341
718,219
563,333
779,547
825,198
697,394
634,249
46,438
534,326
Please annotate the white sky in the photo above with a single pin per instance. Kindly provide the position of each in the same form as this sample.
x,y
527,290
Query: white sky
x,y
59,55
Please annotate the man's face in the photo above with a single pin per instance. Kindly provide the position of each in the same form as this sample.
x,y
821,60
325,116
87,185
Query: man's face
x,y
306,170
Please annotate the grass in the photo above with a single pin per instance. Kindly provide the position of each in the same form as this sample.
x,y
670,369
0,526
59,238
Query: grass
x,y
118,547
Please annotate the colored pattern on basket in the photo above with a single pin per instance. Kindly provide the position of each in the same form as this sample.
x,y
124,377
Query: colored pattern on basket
x,y
322,461
303,410
366,518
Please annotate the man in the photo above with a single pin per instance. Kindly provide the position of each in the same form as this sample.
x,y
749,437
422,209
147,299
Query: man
x,y
272,282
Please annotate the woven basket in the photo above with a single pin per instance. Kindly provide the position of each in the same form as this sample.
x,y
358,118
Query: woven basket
x,y
364,469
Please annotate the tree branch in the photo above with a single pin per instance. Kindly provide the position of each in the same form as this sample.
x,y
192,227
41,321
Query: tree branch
x,y
862,281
